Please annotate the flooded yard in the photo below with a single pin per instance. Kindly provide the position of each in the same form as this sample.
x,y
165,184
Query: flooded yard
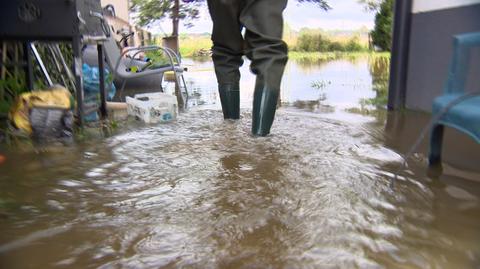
x,y
202,193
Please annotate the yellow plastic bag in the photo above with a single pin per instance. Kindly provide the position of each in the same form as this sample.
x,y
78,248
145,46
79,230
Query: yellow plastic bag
x,y
169,76
55,97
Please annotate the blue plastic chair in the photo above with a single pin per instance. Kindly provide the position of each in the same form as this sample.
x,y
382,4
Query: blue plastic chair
x,y
465,115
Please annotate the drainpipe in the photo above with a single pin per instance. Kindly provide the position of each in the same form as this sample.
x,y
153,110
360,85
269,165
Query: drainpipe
x,y
400,50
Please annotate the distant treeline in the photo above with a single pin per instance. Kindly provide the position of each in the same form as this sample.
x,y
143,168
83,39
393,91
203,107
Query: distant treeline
x,y
305,40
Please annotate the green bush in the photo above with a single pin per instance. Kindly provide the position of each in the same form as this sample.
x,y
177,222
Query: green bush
x,y
314,41
354,45
336,46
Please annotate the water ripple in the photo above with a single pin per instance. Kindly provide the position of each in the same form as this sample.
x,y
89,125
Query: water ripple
x,y
202,192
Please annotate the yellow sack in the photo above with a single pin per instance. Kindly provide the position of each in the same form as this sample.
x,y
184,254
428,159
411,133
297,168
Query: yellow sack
x,y
55,97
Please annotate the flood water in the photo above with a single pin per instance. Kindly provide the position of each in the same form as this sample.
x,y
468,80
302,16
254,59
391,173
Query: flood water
x,y
202,193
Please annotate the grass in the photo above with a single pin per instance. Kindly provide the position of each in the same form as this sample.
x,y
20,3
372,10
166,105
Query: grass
x,y
326,56
191,46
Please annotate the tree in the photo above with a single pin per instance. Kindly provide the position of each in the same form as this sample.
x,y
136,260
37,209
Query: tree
x,y
372,5
150,11
382,33
321,3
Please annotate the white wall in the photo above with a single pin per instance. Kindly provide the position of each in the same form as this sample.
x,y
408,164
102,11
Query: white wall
x,y
431,5
121,8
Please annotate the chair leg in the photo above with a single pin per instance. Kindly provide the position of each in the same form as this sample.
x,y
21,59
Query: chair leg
x,y
436,139
178,90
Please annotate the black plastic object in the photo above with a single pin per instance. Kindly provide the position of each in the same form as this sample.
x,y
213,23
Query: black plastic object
x,y
50,19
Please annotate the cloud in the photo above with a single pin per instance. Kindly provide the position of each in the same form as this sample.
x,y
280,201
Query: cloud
x,y
337,24
344,15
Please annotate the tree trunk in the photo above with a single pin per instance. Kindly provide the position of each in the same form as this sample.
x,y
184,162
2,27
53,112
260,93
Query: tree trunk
x,y
173,40
175,18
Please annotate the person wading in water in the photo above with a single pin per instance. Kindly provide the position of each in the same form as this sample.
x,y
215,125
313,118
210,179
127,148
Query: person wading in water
x,y
262,43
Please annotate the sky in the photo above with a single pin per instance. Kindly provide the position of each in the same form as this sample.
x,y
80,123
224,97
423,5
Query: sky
x,y
345,15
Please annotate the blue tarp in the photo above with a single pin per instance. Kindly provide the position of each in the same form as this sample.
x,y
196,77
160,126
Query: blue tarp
x,y
91,88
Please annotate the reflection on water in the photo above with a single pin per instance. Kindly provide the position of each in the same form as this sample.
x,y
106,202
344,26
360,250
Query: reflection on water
x,y
379,70
353,84
202,193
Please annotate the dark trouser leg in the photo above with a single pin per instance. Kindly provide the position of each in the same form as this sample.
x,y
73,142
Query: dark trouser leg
x,y
227,53
269,54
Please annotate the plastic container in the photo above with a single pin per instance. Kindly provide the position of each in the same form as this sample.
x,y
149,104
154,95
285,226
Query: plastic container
x,y
153,107
117,111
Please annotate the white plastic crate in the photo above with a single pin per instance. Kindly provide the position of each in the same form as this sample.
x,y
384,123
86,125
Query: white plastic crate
x,y
153,107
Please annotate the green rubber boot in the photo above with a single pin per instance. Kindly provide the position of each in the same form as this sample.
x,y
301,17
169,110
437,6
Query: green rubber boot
x,y
264,106
230,99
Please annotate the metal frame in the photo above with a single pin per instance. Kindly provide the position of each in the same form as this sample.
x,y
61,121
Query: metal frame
x,y
175,63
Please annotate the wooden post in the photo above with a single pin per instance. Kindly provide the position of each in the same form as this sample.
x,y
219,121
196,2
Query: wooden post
x,y
27,58
16,59
4,59
77,72
3,68
171,42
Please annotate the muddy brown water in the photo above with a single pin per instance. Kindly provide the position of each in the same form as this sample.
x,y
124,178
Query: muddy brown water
x,y
202,193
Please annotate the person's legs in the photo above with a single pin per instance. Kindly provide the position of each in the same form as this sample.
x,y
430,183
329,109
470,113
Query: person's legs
x,y
227,53
263,21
